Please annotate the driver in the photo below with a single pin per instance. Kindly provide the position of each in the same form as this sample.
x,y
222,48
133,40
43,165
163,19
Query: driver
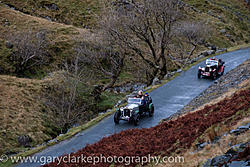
x,y
140,94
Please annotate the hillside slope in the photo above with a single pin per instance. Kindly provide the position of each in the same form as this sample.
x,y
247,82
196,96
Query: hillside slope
x,y
24,122
61,39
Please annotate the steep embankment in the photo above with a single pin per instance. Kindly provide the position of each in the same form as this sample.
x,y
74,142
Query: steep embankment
x,y
61,38
23,120
177,135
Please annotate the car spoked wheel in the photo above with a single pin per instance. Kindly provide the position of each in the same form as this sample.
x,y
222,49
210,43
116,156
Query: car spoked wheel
x,y
199,74
116,117
214,75
222,72
151,111
136,120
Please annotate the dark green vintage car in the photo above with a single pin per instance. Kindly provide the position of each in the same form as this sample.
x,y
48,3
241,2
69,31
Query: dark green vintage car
x,y
135,110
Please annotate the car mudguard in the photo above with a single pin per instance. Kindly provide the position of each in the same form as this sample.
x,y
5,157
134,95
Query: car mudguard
x,y
150,105
136,111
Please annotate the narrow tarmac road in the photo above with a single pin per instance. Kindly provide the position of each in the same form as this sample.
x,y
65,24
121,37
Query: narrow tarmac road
x,y
167,99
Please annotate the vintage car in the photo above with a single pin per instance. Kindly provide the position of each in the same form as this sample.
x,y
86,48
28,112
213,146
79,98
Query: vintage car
x,y
134,110
213,68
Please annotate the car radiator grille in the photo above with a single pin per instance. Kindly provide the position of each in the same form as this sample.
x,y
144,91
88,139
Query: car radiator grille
x,y
207,69
126,112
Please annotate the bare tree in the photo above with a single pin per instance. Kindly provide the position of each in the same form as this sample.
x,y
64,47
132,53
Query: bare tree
x,y
145,29
30,50
64,98
104,58
194,34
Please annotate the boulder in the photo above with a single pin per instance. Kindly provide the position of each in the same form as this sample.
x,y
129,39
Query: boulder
x,y
179,70
235,132
223,31
205,53
238,148
201,145
167,76
220,160
9,45
207,163
51,6
24,140
156,81
209,52
53,141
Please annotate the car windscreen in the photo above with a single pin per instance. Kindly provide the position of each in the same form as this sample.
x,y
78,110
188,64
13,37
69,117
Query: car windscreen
x,y
211,62
134,100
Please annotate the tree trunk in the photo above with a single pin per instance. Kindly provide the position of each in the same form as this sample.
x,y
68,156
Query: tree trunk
x,y
111,83
151,75
163,69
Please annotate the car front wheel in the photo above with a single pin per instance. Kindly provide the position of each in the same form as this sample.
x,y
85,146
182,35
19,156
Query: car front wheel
x,y
199,74
116,118
136,120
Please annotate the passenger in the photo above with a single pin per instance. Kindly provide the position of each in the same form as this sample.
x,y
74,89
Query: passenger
x,y
140,94
143,100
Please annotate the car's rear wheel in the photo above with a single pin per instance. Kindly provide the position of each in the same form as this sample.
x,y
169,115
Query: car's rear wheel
x,y
214,75
151,111
222,72
116,117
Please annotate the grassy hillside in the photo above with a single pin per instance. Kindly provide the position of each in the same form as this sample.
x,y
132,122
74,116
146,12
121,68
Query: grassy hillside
x,y
229,18
78,13
61,38
22,113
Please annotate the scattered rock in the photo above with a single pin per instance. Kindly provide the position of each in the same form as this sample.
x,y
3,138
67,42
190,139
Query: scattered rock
x,y
48,18
207,163
223,31
201,145
109,110
179,70
213,47
221,50
9,45
6,23
53,141
24,140
240,130
52,6
120,102
168,75
205,53
209,52
236,149
156,81
220,160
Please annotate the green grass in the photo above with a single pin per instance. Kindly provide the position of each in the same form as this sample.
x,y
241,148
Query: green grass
x,y
70,12
108,100
5,63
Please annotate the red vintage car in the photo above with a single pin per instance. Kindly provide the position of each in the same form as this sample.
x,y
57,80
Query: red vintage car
x,y
214,68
